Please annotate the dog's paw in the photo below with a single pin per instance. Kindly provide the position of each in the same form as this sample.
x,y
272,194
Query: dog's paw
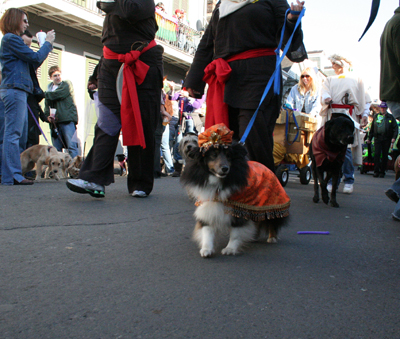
x,y
334,204
206,253
325,198
230,251
272,240
315,199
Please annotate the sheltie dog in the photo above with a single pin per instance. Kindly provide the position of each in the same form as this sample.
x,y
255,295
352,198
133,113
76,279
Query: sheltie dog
x,y
212,177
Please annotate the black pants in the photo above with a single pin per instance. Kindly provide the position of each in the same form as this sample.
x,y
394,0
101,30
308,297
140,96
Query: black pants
x,y
381,148
260,141
98,166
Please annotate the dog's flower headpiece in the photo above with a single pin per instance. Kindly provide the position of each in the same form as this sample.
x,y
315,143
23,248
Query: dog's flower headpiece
x,y
217,135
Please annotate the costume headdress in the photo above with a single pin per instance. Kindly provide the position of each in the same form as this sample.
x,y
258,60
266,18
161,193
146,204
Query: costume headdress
x,y
340,60
215,136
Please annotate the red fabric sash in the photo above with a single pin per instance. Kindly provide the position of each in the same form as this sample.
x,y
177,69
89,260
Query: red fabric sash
x,y
216,74
349,107
134,72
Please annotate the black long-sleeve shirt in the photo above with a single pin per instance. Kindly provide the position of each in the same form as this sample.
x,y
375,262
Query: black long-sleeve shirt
x,y
256,25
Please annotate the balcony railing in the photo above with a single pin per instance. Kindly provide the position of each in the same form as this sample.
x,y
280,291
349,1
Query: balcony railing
x,y
88,4
177,34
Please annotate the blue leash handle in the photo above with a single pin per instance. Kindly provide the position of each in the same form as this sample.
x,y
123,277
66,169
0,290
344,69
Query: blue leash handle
x,y
287,127
37,124
276,76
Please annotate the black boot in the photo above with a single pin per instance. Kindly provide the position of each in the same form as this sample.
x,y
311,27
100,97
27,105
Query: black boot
x,y
177,169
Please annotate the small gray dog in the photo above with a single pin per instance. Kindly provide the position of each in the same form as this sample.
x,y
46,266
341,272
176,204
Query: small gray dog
x,y
188,142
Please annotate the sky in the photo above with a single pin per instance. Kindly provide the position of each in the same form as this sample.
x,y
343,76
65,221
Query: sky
x,y
335,27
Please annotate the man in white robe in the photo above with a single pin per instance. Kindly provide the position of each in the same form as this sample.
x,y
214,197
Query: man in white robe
x,y
345,93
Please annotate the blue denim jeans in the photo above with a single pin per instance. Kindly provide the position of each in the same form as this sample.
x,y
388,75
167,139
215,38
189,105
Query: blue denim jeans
x,y
347,169
15,133
175,137
166,151
66,131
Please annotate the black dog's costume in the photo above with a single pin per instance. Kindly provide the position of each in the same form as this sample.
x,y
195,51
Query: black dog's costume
x,y
321,150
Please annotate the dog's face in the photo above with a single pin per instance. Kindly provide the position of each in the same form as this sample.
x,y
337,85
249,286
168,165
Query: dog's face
x,y
219,161
120,157
187,144
340,131
55,163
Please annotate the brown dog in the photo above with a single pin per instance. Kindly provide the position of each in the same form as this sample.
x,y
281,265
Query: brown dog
x,y
66,161
40,155
75,166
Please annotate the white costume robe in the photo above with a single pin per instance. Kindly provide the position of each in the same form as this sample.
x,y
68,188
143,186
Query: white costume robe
x,y
335,87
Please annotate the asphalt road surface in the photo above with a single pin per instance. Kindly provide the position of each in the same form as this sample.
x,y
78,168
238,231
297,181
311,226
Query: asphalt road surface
x,y
72,266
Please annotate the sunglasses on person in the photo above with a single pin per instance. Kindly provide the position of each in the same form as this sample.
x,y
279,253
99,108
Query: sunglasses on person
x,y
305,76
25,21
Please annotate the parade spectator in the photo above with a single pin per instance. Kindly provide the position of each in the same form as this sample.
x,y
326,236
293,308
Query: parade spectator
x,y
128,34
160,6
60,95
305,96
33,102
390,85
390,64
246,52
343,93
384,132
16,84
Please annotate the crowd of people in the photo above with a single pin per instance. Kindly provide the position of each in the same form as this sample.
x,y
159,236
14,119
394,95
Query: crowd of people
x,y
234,62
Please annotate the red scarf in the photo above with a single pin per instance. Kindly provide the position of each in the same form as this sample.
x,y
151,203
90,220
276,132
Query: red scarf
x,y
134,72
216,74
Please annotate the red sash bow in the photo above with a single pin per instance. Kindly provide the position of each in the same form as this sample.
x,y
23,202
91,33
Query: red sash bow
x,y
349,107
134,72
216,74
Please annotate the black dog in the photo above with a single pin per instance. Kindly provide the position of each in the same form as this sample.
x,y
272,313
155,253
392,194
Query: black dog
x,y
327,152
122,163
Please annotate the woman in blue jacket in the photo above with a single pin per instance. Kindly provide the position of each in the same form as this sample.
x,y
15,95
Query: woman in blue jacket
x,y
16,58
305,97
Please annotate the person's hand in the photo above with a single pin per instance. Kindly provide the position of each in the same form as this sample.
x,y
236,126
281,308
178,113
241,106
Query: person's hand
x,y
91,86
50,119
364,121
296,7
51,36
328,100
393,141
193,93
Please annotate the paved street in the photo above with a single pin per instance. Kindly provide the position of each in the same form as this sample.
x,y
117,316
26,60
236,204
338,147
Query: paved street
x,y
72,266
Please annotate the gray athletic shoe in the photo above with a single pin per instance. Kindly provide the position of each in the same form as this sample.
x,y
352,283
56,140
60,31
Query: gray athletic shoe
x,y
139,194
83,187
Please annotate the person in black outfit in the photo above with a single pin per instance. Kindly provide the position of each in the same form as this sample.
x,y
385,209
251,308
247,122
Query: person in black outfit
x,y
129,26
384,131
230,35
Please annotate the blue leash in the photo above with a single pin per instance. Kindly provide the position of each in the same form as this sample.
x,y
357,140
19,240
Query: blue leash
x,y
287,127
37,124
276,76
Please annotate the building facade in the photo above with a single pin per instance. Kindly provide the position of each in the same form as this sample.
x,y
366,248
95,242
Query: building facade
x,y
77,49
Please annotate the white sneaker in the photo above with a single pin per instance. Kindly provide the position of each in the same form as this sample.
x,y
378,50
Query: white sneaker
x,y
348,188
139,194
329,188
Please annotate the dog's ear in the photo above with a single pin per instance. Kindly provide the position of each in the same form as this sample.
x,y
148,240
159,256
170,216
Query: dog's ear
x,y
238,150
194,153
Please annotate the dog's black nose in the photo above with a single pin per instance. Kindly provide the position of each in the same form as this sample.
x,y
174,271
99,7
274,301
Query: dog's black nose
x,y
225,169
189,147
